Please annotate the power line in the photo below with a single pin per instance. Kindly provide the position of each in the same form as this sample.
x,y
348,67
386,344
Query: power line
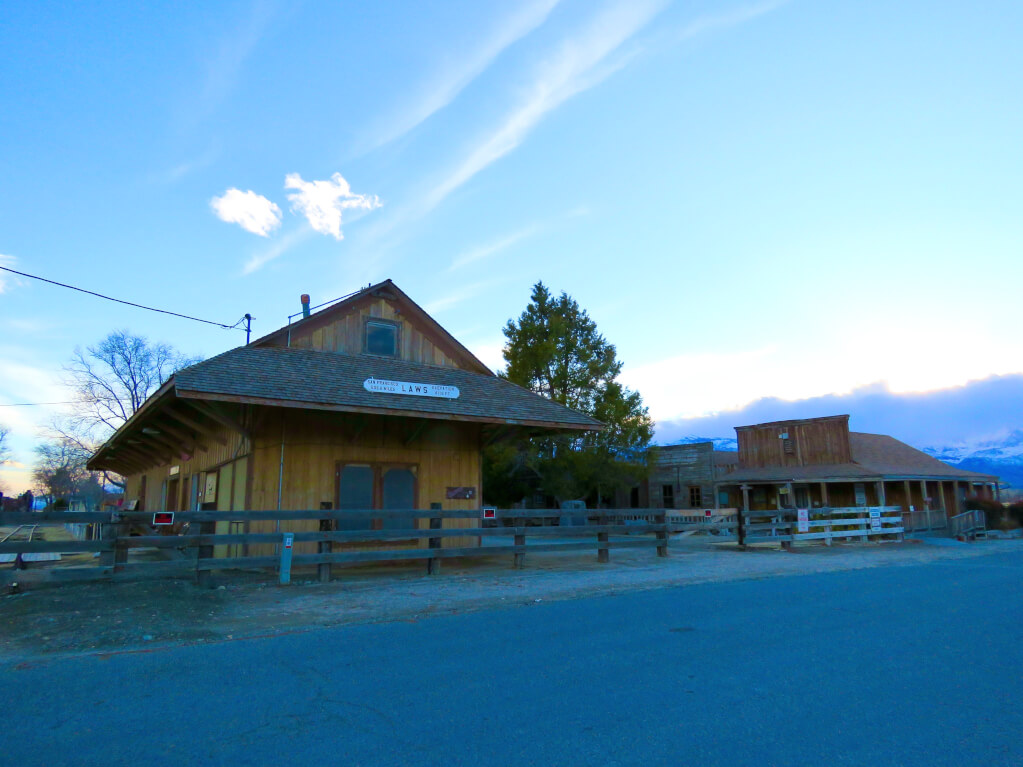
x,y
33,404
119,301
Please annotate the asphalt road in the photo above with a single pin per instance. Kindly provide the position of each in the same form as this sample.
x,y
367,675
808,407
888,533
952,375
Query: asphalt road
x,y
917,665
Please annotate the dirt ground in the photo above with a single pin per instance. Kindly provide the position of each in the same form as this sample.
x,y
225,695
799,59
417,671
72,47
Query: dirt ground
x,y
116,617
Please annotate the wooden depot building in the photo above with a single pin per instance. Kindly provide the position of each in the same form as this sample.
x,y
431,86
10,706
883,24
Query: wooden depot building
x,y
818,462
367,404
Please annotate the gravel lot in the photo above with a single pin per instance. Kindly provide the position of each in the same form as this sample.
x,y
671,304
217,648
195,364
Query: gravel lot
x,y
107,618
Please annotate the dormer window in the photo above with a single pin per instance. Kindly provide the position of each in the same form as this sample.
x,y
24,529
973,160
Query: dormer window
x,y
381,338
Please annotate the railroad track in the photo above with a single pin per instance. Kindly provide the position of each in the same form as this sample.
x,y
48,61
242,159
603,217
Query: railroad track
x,y
26,533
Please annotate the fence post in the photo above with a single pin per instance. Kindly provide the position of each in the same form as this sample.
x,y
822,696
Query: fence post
x,y
433,564
662,535
326,526
108,534
741,527
203,575
520,540
786,545
829,533
602,550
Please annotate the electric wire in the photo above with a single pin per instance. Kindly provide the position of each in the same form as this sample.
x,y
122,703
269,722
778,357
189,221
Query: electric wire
x,y
120,301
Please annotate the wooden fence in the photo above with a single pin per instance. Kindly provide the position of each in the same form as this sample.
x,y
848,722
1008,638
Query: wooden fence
x,y
408,535
603,530
822,524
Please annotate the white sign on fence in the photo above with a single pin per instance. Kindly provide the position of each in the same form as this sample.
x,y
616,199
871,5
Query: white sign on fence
x,y
383,386
803,520
875,519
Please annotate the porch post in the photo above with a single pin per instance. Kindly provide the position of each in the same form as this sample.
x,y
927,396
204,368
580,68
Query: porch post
x,y
927,504
825,503
955,498
880,493
742,512
998,493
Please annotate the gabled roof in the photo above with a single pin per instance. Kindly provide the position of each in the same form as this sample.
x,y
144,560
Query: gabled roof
x,y
391,292
874,456
288,377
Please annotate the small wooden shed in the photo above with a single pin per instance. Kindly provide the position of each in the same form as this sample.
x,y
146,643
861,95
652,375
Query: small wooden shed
x,y
367,404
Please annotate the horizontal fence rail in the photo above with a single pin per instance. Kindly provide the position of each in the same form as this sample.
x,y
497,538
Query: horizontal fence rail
x,y
201,542
822,524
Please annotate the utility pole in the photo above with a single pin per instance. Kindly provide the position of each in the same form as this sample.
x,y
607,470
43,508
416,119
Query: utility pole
x,y
248,327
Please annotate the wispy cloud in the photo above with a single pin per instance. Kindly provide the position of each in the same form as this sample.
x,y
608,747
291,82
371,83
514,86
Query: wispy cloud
x,y
252,212
225,65
7,280
732,18
177,172
581,62
445,87
460,294
258,260
489,249
485,251
322,202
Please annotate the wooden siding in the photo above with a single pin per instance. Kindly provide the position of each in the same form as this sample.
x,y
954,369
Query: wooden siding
x,y
202,461
682,467
445,454
345,334
813,442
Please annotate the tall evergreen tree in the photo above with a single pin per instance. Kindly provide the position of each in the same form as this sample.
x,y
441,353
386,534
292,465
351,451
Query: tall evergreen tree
x,y
555,350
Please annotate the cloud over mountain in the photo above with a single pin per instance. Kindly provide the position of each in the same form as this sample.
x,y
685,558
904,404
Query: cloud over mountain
x,y
986,408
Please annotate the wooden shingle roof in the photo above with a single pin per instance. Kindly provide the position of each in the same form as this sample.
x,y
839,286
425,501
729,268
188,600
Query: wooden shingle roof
x,y
289,377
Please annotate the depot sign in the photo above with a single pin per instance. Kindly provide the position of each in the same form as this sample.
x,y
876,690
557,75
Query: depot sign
x,y
382,386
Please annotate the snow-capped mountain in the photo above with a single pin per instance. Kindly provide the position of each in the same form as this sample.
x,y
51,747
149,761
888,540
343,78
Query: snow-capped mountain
x,y
727,444
1002,456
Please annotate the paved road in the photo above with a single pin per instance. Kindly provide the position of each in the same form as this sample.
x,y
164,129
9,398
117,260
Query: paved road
x,y
911,665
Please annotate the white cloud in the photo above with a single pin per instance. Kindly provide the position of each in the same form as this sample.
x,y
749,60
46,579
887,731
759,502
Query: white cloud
x,y
6,278
252,212
446,86
581,63
322,202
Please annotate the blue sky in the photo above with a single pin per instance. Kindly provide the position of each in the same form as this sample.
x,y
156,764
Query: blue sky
x,y
752,199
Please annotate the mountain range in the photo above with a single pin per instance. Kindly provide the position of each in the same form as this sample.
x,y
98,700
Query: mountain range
x,y
1002,456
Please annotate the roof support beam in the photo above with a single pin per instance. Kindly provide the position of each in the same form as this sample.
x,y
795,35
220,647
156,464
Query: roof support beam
x,y
191,423
154,452
414,435
217,414
191,440
160,439
359,427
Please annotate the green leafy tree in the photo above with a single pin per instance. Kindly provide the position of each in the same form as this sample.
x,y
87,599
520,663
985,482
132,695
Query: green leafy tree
x,y
555,349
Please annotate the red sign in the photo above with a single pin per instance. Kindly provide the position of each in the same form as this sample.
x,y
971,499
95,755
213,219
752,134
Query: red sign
x,y
707,513
489,512
163,518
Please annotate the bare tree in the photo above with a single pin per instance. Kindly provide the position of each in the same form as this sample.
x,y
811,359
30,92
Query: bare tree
x,y
60,468
109,382
5,448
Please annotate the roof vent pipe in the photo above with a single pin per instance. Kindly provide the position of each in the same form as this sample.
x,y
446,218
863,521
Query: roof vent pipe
x,y
305,305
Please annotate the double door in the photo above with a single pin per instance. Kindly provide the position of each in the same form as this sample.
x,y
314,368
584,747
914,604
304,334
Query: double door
x,y
363,486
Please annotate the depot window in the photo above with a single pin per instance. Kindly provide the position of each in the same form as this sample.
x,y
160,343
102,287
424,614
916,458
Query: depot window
x,y
381,338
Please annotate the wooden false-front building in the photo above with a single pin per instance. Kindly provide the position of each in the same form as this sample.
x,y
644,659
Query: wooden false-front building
x,y
367,404
818,462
